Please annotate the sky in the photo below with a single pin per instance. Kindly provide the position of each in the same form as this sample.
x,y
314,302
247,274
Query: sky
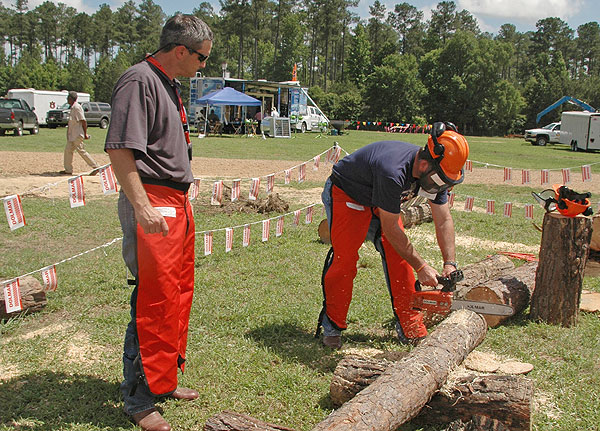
x,y
490,14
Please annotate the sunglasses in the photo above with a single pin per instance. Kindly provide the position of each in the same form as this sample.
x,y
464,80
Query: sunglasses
x,y
201,57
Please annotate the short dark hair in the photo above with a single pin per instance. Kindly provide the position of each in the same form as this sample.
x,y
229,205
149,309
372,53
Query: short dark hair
x,y
187,30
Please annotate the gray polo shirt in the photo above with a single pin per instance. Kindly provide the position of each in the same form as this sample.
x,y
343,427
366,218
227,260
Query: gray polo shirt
x,y
145,118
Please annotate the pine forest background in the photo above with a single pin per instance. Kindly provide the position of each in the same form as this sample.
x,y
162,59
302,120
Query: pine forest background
x,y
394,66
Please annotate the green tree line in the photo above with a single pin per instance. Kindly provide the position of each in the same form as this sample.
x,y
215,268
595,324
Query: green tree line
x,y
394,66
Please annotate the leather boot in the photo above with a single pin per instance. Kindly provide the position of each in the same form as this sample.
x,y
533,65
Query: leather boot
x,y
151,420
185,394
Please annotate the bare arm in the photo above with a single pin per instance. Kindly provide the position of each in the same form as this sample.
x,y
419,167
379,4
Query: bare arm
x,y
444,232
389,224
147,216
84,126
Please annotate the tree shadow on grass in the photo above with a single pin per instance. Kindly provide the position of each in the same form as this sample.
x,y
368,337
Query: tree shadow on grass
x,y
47,401
294,344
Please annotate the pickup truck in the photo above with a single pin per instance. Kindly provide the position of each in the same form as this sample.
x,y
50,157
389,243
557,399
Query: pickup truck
x,y
96,114
16,115
549,133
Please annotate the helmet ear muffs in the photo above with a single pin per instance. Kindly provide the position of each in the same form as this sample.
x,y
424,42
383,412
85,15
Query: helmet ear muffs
x,y
437,130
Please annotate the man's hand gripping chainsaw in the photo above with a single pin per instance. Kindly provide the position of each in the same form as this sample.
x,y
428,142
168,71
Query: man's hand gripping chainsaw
x,y
442,301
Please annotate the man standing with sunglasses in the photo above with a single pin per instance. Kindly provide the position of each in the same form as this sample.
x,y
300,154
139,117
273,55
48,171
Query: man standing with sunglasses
x,y
362,198
150,150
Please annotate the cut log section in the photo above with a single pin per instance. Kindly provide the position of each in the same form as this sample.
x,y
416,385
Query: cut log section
x,y
33,297
563,255
514,288
404,387
474,274
507,399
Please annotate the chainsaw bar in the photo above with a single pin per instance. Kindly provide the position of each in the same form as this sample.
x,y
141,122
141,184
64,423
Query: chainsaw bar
x,y
482,307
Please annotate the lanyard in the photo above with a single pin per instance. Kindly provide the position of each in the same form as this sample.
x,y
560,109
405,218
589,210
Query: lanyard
x,y
184,123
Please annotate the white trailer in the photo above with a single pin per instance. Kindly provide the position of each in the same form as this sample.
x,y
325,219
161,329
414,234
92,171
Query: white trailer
x,y
44,100
580,130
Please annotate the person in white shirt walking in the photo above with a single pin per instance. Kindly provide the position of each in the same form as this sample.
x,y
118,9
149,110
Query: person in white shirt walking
x,y
76,133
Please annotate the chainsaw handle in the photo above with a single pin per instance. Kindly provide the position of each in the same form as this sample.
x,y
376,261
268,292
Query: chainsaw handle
x,y
448,283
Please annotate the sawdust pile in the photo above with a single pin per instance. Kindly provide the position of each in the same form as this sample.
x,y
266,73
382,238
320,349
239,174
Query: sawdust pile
x,y
273,203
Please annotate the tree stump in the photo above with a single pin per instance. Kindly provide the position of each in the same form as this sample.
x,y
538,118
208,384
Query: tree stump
x,y
563,255
33,297
514,288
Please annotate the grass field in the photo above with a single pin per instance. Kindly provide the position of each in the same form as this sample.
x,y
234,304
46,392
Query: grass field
x,y
251,346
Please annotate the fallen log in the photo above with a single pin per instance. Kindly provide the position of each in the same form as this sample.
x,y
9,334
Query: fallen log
x,y
33,297
505,398
407,385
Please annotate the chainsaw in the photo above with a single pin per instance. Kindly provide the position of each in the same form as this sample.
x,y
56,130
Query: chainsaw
x,y
442,301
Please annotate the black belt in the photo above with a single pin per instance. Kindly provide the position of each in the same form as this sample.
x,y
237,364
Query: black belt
x,y
183,187
335,180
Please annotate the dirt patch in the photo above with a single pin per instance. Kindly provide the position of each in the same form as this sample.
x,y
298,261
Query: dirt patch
x,y
272,203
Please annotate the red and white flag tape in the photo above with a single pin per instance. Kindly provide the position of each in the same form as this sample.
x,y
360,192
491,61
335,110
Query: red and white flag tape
x,y
508,209
468,166
566,175
316,162
586,173
266,225
302,172
288,176
333,155
491,207
507,175
228,239
109,181
529,211
279,227
544,176
296,217
469,203
254,189
208,243
12,297
49,278
246,236
451,196
76,192
236,189
270,183
14,212
217,193
309,214
194,189
525,176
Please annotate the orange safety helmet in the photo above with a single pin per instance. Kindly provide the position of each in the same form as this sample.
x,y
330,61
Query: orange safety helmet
x,y
449,151
570,203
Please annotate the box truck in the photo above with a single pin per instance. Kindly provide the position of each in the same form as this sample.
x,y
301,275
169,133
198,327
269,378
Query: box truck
x,y
580,130
44,100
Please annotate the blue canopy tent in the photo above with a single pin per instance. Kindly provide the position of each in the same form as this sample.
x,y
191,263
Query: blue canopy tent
x,y
228,96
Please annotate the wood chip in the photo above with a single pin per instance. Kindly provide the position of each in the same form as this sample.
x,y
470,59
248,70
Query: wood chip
x,y
515,367
482,362
590,301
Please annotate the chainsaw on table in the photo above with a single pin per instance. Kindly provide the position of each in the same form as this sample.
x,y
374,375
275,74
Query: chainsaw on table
x,y
442,301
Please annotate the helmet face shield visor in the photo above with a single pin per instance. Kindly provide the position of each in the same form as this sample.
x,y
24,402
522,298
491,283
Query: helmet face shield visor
x,y
435,181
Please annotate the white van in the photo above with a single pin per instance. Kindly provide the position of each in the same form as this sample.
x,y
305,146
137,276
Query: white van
x,y
580,130
44,100
310,118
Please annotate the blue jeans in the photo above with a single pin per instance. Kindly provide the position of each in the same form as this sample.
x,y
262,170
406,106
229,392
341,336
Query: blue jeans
x,y
142,399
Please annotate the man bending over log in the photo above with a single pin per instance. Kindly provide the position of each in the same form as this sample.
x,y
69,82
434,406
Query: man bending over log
x,y
362,198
